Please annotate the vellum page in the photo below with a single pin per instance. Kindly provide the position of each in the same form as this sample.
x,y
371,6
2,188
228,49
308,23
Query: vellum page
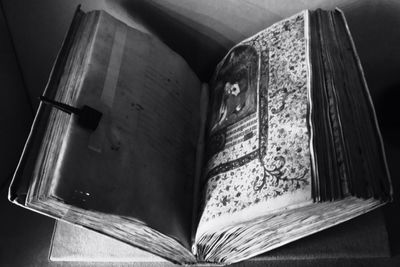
x,y
259,158
139,162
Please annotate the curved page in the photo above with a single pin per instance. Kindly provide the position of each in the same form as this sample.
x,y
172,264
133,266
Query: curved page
x,y
139,162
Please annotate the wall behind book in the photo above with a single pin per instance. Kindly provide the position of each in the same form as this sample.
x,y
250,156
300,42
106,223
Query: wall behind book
x,y
16,112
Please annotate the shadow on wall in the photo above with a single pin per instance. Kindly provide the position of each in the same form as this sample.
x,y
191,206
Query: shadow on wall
x,y
375,29
201,51
387,108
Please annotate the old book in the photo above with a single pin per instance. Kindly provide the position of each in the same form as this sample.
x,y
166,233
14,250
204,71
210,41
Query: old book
x,y
283,144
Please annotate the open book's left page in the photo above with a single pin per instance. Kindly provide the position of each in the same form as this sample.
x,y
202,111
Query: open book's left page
x,y
138,163
132,177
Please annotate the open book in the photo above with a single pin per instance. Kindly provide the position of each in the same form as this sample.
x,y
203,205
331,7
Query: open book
x,y
284,142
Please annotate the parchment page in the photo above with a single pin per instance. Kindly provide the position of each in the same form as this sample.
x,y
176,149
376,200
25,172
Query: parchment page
x,y
259,157
139,162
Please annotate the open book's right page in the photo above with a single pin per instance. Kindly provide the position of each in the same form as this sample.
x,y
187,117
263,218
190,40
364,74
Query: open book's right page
x,y
258,147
